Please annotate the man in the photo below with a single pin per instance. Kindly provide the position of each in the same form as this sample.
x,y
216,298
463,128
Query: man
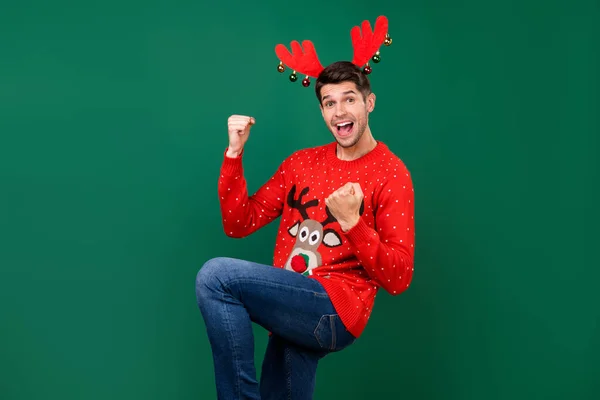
x,y
346,230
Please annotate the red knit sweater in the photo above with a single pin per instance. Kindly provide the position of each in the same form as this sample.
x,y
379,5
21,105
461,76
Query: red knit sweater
x,y
352,266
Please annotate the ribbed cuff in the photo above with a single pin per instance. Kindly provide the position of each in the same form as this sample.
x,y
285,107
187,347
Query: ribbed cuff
x,y
360,234
232,166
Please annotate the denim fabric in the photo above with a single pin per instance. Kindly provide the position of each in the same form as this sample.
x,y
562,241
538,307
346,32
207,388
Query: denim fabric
x,y
295,309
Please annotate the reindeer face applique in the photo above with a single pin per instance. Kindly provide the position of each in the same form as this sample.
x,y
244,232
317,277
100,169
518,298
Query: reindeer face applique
x,y
309,234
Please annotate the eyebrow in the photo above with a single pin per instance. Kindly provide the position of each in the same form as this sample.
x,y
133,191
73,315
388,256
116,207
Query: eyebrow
x,y
345,93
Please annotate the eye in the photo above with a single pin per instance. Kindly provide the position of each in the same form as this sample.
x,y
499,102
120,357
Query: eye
x,y
303,234
351,100
314,238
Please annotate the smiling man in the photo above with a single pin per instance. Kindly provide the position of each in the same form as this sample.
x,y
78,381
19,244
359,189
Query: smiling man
x,y
346,230
345,97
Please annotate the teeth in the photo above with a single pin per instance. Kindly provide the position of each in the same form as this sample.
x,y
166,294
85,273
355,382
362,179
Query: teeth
x,y
343,124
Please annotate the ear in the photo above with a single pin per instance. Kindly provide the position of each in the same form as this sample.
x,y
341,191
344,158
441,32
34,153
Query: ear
x,y
371,102
293,230
331,238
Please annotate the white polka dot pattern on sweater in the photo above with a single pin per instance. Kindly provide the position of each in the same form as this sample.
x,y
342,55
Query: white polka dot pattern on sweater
x,y
377,252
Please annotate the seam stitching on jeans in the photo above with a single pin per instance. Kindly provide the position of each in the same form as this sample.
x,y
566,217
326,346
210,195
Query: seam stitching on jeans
x,y
333,336
317,329
288,365
233,350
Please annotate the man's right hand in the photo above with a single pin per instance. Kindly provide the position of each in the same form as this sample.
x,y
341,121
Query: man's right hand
x,y
239,130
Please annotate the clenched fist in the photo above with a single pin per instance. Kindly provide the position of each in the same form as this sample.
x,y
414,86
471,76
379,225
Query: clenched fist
x,y
344,204
239,129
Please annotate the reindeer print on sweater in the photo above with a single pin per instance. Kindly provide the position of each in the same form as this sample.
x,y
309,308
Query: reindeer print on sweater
x,y
352,266
309,234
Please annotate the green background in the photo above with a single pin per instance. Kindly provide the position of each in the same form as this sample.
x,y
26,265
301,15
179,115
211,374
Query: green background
x,y
112,129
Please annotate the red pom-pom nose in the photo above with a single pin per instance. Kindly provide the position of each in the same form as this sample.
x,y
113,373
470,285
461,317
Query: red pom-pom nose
x,y
299,264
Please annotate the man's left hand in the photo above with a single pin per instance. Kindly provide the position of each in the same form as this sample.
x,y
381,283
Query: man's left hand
x,y
344,205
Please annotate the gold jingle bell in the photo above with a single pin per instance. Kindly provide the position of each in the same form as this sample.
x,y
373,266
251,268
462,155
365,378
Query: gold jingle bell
x,y
388,40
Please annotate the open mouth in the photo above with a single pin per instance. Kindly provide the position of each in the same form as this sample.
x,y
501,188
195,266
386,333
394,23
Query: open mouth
x,y
345,128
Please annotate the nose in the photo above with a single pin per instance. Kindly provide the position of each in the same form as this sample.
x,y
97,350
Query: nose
x,y
339,110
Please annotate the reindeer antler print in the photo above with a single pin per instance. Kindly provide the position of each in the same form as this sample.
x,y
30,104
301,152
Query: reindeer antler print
x,y
330,218
297,204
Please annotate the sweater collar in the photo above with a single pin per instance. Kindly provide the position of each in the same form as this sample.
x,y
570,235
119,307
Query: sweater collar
x,y
379,150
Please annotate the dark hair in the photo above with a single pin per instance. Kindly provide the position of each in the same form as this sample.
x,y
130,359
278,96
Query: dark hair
x,y
343,71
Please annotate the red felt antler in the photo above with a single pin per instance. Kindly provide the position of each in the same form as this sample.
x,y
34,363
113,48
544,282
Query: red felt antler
x,y
367,44
305,62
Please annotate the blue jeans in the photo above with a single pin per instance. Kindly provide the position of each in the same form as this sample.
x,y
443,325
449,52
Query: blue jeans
x,y
296,310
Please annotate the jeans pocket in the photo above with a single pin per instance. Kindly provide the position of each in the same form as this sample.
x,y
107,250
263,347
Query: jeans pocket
x,y
325,332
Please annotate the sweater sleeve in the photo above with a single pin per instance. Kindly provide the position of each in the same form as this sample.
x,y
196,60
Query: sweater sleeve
x,y
241,213
387,250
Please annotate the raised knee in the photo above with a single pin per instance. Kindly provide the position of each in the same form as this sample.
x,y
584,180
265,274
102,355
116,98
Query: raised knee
x,y
209,270
208,277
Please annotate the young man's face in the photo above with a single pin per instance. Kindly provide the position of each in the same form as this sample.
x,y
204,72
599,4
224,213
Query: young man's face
x,y
346,112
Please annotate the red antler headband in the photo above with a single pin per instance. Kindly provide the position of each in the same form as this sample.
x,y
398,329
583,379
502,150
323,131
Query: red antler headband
x,y
366,47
